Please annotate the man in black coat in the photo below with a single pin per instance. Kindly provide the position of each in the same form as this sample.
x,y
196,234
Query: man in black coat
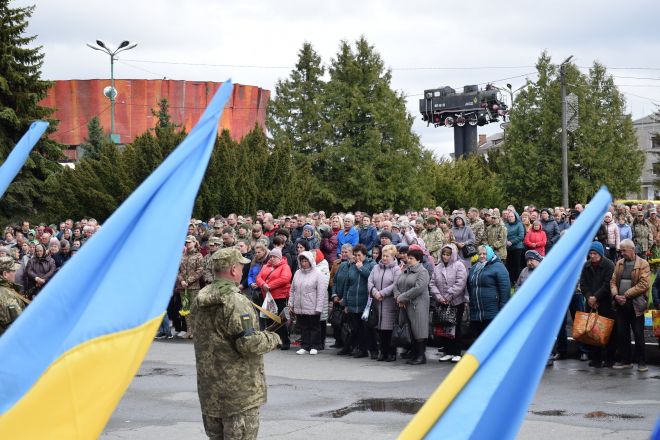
x,y
595,285
550,228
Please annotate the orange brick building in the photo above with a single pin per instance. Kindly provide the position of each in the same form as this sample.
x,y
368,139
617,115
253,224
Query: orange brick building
x,y
76,102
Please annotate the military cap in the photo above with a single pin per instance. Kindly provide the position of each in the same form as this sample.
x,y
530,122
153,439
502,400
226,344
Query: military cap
x,y
8,264
191,238
215,241
227,257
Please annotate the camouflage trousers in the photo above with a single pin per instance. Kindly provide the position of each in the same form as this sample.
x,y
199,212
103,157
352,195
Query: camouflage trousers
x,y
192,294
241,426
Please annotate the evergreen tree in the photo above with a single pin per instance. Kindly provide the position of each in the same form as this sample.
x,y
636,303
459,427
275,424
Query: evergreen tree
x,y
466,182
21,89
372,158
96,138
603,151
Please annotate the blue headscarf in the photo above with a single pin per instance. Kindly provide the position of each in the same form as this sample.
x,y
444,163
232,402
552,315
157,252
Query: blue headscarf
x,y
475,272
490,253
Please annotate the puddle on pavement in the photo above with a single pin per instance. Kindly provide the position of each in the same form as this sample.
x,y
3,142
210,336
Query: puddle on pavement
x,y
550,412
601,414
158,372
405,406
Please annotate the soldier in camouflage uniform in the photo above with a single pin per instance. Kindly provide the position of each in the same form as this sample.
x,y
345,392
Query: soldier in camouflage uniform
x,y
11,303
477,225
214,245
433,237
496,235
229,352
191,270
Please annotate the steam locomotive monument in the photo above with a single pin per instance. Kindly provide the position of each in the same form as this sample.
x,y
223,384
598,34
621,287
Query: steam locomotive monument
x,y
463,112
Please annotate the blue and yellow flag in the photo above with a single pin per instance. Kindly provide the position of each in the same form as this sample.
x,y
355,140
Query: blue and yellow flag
x,y
487,393
14,162
68,359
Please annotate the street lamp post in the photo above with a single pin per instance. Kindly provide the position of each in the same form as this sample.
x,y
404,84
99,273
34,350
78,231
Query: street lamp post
x,y
111,92
564,134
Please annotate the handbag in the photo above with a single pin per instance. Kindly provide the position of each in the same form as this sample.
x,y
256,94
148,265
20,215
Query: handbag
x,y
336,315
444,314
402,334
592,328
372,321
469,250
346,332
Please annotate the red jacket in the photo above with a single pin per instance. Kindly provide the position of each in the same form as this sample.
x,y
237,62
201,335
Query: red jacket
x,y
538,238
277,277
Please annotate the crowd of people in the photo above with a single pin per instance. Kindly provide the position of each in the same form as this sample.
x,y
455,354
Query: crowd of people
x,y
443,275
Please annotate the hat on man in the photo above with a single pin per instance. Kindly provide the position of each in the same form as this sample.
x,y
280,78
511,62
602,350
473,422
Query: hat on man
x,y
215,241
597,247
8,264
227,257
191,239
431,220
533,255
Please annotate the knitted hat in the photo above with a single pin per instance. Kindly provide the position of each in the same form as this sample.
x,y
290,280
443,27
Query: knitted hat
x,y
533,255
597,247
276,252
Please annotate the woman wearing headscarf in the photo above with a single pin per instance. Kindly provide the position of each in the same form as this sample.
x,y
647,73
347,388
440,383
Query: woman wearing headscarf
x,y
463,236
448,287
489,288
381,288
411,292
307,299
40,269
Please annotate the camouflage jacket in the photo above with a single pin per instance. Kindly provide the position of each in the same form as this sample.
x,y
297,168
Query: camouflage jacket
x,y
263,240
479,229
229,351
190,270
496,236
10,306
207,274
434,241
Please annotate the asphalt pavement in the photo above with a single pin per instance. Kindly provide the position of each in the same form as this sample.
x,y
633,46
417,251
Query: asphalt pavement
x,y
334,397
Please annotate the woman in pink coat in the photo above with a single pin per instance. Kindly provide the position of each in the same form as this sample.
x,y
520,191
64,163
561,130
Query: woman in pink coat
x,y
308,296
448,288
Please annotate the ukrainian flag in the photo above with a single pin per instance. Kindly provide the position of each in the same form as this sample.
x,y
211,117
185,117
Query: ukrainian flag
x,y
488,392
69,358
12,165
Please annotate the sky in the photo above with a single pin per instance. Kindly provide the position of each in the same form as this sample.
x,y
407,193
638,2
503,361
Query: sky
x,y
426,44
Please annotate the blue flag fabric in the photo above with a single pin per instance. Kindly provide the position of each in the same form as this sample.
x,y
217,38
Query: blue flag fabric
x,y
14,162
94,321
487,394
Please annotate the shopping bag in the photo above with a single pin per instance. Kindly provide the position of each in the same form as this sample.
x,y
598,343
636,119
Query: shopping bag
x,y
655,317
592,328
268,304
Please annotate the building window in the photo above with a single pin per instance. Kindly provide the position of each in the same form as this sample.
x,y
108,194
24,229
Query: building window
x,y
656,169
655,142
